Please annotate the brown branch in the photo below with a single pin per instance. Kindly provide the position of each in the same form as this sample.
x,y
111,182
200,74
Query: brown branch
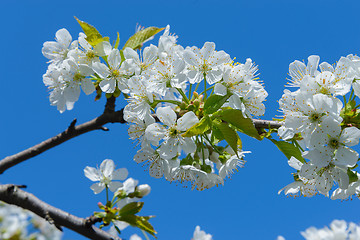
x,y
11,194
109,116
266,124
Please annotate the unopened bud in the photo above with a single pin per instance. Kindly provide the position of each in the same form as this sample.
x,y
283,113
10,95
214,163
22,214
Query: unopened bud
x,y
143,189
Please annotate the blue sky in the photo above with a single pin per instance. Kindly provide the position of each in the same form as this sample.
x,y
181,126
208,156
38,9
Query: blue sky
x,y
272,33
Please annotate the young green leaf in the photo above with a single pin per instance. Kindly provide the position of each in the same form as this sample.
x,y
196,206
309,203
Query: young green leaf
x,y
93,37
202,126
230,135
140,222
214,103
236,118
117,41
136,40
289,150
131,208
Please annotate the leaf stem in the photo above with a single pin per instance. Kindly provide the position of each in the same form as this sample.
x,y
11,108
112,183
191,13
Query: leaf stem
x,y
183,95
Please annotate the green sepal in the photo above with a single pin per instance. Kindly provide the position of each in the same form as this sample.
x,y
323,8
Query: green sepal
x,y
117,92
206,168
230,135
188,160
352,176
100,214
136,40
93,37
131,208
140,222
214,103
236,118
201,127
289,150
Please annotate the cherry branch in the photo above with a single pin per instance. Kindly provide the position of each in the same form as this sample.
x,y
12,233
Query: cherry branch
x,y
109,116
12,194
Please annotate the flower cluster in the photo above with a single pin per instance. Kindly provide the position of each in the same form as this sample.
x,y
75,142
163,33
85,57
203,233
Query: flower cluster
x,y
15,224
324,128
125,203
339,230
179,100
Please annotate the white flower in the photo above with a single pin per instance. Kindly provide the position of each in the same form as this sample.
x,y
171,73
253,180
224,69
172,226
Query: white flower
x,y
205,61
75,77
105,175
139,100
167,74
298,70
87,54
149,56
174,142
315,114
335,150
57,51
326,83
157,166
235,161
113,76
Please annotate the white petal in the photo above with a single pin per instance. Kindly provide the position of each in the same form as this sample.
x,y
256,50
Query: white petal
x,y
101,69
346,157
97,187
63,37
207,50
350,136
107,86
220,89
87,86
187,121
120,174
114,59
107,167
166,115
92,173
113,186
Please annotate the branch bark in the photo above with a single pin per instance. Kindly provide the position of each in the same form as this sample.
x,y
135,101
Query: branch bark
x,y
109,116
12,194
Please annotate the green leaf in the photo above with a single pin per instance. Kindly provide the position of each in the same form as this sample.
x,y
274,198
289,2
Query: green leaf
x,y
236,118
230,135
93,37
131,208
140,222
117,41
216,135
214,103
352,176
136,40
201,127
289,150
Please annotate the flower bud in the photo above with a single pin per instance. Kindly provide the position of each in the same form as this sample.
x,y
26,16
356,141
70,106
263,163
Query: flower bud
x,y
143,189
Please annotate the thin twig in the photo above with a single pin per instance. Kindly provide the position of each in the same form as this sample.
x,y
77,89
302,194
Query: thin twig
x,y
11,194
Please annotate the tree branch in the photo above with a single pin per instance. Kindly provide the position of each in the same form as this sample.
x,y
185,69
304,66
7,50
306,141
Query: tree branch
x,y
109,116
12,194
